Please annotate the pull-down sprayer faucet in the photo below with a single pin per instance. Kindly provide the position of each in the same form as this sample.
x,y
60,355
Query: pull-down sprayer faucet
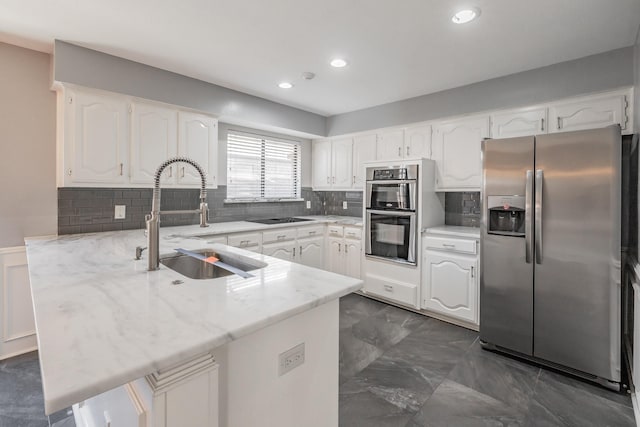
x,y
153,219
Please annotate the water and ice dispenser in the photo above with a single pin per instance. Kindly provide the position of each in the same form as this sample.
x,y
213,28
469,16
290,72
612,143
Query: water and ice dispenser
x,y
506,215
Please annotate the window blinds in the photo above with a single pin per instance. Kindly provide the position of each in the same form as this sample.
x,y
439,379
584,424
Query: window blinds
x,y
261,168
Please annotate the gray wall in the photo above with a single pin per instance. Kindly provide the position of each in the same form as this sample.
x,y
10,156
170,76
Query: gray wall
x,y
86,67
600,72
28,146
223,128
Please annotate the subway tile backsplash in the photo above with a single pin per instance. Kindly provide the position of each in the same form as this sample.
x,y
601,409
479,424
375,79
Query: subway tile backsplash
x,y
462,208
87,210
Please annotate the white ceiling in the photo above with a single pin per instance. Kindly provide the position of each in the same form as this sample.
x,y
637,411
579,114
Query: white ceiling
x,y
396,49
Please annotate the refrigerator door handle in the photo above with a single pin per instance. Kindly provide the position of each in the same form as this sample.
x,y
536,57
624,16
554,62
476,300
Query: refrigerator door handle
x,y
528,224
538,215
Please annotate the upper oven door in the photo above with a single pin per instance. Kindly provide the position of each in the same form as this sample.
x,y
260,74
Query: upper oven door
x,y
391,235
391,195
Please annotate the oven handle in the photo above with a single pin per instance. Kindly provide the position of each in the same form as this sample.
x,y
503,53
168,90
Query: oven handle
x,y
391,213
393,181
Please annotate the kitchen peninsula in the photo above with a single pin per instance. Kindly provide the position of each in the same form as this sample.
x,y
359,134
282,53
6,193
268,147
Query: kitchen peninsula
x,y
158,348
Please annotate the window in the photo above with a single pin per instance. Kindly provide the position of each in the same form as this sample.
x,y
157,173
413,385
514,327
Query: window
x,y
261,168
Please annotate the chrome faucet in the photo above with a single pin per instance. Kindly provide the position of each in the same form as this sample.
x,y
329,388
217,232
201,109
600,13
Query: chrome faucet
x,y
153,219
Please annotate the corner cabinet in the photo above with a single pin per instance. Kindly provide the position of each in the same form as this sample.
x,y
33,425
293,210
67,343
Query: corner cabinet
x,y
450,278
456,150
332,164
117,141
95,133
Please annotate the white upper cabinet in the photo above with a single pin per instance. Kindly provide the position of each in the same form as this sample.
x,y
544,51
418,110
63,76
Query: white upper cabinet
x,y
321,155
456,150
364,150
391,145
198,140
154,139
342,163
95,136
417,142
589,113
520,122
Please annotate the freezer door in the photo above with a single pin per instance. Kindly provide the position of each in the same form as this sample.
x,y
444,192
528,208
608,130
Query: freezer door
x,y
577,236
506,273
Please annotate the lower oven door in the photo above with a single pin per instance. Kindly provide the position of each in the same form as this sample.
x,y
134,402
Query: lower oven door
x,y
391,235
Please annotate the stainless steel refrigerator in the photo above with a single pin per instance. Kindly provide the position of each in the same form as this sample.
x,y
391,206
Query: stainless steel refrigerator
x,y
550,250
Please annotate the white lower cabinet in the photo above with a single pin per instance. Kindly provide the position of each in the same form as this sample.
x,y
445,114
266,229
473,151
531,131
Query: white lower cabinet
x,y
344,250
311,252
450,282
17,326
184,395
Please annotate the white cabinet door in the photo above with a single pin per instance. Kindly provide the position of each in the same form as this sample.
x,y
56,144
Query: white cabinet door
x,y
364,150
98,127
198,140
589,113
456,150
335,259
279,250
311,252
521,122
390,145
342,163
154,139
417,142
321,159
352,252
450,285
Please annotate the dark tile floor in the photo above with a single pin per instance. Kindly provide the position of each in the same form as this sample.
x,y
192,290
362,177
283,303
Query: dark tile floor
x,y
400,369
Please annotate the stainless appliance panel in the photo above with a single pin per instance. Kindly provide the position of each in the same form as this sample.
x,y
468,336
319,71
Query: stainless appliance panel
x,y
392,195
391,172
391,236
577,270
506,279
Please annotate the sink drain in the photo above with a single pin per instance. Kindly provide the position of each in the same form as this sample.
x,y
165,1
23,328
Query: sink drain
x,y
177,282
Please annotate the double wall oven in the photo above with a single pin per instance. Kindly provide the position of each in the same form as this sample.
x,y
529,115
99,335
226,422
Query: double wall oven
x,y
391,205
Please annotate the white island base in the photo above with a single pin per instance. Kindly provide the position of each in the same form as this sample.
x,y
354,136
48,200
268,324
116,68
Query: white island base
x,y
236,385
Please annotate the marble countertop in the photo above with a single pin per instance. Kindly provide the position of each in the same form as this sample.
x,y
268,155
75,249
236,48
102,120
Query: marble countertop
x,y
103,320
246,226
455,230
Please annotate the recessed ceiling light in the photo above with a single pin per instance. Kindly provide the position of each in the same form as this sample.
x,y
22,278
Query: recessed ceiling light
x,y
285,85
466,15
338,63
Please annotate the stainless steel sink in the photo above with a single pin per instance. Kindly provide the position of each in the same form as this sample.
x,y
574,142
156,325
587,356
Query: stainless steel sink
x,y
195,268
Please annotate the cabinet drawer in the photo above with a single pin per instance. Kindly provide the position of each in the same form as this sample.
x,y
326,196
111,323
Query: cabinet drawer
x,y
279,235
447,244
353,233
313,231
245,240
401,292
335,231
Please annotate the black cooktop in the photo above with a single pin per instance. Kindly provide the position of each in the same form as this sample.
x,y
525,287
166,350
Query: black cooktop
x,y
278,220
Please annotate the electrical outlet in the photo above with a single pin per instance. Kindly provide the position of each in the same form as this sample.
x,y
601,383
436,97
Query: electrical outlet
x,y
291,359
344,205
308,204
120,212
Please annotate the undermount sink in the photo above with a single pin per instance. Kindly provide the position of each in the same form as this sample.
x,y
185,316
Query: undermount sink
x,y
195,268
283,220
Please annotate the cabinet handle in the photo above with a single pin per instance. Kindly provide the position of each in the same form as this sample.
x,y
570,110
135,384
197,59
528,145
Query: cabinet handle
x,y
448,245
542,124
182,172
472,272
399,151
300,251
339,247
334,179
407,151
294,251
328,182
281,237
346,248
170,171
388,288
312,233
559,122
354,179
121,167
